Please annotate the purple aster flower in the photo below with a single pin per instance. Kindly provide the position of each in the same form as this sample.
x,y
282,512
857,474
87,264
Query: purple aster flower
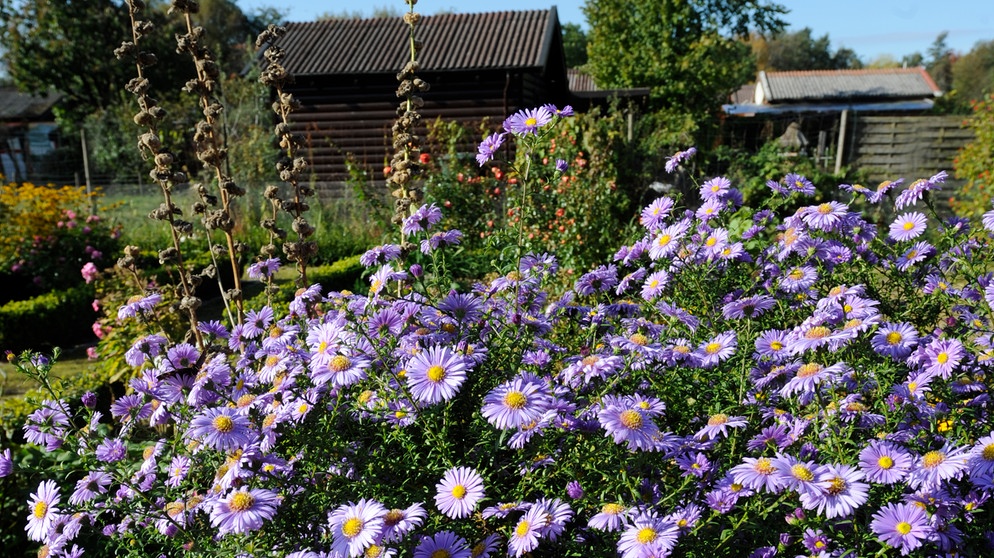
x,y
772,344
694,465
380,255
709,209
629,424
138,304
749,307
221,428
561,165
797,475
43,511
526,533
264,269
933,467
907,226
841,492
177,470
111,450
654,284
721,348
609,518
980,461
808,377
654,215
680,156
895,340
667,242
88,487
815,540
131,408
718,425
564,112
799,184
422,219
825,216
756,474
488,147
443,543
916,253
459,491
244,510
716,188
355,527
917,189
798,279
777,435
528,121
902,526
440,240
340,370
648,536
6,463
942,356
574,490
516,403
397,523
434,375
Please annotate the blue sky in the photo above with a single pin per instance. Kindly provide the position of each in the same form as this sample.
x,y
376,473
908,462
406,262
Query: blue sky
x,y
870,27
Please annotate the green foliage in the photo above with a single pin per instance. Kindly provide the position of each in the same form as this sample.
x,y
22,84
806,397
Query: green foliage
x,y
343,275
686,51
975,163
798,50
51,319
574,45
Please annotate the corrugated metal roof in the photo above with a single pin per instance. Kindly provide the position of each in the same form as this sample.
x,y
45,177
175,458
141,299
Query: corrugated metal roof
x,y
15,105
835,85
497,40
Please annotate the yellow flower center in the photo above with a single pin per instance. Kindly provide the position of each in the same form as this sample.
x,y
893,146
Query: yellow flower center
x,y
436,373
522,528
837,486
903,527
711,241
241,501
682,349
717,420
41,508
529,122
591,360
797,274
908,225
825,208
764,466
639,339
399,414
631,419
646,535
933,459
817,332
339,363
458,492
374,551
912,254
942,358
441,553
893,338
612,509
352,527
712,348
393,517
808,370
802,473
988,452
149,451
515,400
776,345
223,424
174,508
663,240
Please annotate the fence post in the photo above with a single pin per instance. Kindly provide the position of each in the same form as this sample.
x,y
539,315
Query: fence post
x,y
842,141
86,173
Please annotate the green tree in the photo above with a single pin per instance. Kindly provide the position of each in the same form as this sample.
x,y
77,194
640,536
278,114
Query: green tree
x,y
798,50
940,62
975,162
574,45
973,73
688,52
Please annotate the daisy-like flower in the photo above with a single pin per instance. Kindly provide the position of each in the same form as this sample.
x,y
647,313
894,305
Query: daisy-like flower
x,y
825,216
6,463
918,252
244,510
798,279
340,370
799,184
800,476
749,307
486,547
680,156
87,488
629,424
895,340
808,377
933,467
43,511
981,460
380,255
488,147
139,305
648,536
422,219
655,213
715,188
355,527
721,348
264,269
397,523
528,121
667,241
654,284
609,518
444,544
942,356
718,425
885,463
459,491
902,526
434,375
842,492
518,402
772,344
526,533
908,226
221,428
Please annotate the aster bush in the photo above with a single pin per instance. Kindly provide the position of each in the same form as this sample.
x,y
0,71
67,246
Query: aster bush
x,y
733,381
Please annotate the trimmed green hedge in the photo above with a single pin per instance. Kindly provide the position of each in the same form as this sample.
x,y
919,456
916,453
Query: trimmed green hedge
x,y
342,275
57,318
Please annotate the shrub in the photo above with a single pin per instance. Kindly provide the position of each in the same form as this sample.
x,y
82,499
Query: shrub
x,y
53,319
975,162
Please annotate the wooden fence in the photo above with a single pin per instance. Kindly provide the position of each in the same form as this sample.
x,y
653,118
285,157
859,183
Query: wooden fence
x,y
890,147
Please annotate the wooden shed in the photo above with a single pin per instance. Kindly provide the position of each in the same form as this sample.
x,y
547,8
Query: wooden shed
x,y
484,65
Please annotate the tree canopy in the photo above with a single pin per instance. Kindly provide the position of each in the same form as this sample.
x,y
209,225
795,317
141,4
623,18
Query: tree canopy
x,y
798,50
688,52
